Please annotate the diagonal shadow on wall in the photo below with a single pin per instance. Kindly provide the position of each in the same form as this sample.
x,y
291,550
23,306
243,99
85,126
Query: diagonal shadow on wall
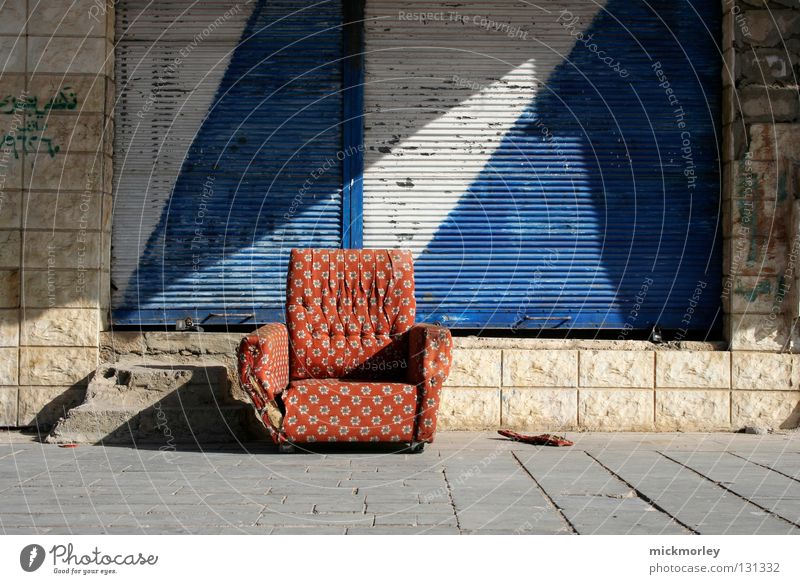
x,y
591,213
602,183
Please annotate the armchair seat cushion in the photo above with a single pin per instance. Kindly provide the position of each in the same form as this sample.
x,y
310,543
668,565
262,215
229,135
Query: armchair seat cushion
x,y
335,410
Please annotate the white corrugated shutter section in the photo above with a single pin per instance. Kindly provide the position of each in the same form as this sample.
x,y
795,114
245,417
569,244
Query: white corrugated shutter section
x,y
160,106
440,97
537,184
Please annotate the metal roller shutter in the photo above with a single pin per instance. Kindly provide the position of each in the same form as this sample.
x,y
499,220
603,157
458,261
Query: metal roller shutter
x,y
532,158
225,112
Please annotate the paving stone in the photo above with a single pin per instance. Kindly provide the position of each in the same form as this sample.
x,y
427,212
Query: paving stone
x,y
403,530
306,520
233,530
416,519
337,505
787,463
543,519
122,490
752,482
309,531
595,501
692,499
585,476
613,516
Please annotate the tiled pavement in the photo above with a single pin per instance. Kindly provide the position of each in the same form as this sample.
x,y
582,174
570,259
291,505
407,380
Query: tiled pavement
x,y
463,483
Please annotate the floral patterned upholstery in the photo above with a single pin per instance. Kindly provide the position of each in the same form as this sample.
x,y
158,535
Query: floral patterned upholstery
x,y
350,365
429,356
333,410
264,371
347,311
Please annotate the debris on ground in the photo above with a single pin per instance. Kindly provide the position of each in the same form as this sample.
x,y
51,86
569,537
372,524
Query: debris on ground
x,y
760,430
539,439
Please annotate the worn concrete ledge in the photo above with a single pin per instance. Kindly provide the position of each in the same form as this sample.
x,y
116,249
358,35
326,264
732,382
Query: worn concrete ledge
x,y
124,342
473,342
141,400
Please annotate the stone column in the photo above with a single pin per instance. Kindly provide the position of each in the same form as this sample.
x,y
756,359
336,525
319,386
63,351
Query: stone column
x,y
56,92
761,141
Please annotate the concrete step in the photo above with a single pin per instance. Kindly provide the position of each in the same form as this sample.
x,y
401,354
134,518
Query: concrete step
x,y
95,423
138,383
150,402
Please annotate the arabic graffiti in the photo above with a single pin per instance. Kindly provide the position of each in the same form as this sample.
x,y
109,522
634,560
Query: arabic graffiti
x,y
65,100
29,137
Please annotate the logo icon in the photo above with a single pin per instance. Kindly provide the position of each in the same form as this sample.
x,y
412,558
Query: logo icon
x,y
31,557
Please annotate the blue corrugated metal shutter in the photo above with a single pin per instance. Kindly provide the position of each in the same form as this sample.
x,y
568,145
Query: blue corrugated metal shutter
x,y
226,158
541,183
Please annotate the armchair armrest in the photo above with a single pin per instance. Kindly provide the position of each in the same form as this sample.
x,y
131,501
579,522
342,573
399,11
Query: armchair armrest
x,y
429,351
264,372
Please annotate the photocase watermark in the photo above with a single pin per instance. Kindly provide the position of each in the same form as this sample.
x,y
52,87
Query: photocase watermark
x,y
512,31
680,122
99,8
693,301
65,560
169,71
52,277
784,282
466,83
162,423
573,25
529,524
533,285
383,365
200,241
633,314
84,207
739,17
743,232
31,557
7,147
330,163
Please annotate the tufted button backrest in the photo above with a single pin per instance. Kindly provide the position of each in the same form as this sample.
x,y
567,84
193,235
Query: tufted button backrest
x,y
347,311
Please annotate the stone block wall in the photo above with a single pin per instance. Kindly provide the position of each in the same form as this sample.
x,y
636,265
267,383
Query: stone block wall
x,y
761,155
56,99
618,386
554,385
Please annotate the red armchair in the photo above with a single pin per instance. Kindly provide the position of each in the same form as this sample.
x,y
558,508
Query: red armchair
x,y
349,365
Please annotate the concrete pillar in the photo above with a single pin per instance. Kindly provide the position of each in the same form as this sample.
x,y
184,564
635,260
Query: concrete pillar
x,y
761,156
56,98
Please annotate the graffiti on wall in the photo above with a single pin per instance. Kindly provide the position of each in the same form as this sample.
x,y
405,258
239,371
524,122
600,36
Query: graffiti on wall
x,y
31,136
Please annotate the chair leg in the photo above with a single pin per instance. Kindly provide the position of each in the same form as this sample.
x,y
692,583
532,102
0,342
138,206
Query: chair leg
x,y
417,447
286,448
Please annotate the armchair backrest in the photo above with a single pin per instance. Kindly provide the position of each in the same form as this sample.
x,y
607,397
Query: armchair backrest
x,y
347,311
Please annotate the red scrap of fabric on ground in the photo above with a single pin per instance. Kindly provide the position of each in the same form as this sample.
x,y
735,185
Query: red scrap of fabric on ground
x,y
541,439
